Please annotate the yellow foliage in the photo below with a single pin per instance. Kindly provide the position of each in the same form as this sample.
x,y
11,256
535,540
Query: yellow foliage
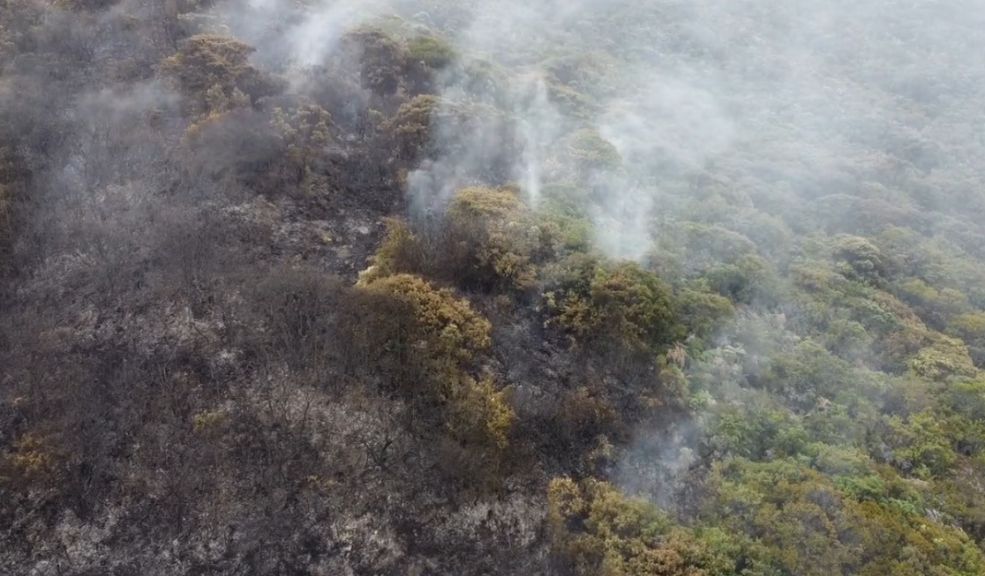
x,y
622,306
498,236
479,415
215,71
32,459
206,122
306,132
411,126
447,335
400,252
476,205
595,529
448,326
209,420
947,357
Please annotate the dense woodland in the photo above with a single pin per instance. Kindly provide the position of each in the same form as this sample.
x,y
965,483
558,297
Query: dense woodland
x,y
428,287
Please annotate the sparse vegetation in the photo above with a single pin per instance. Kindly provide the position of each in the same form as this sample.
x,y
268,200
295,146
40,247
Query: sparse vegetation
x,y
215,73
490,288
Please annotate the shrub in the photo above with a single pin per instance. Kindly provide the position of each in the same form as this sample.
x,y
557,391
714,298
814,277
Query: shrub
x,y
479,416
936,306
860,259
428,127
588,151
920,445
210,421
306,133
496,237
411,127
447,329
444,337
488,242
595,529
750,279
582,416
433,52
970,327
803,523
809,374
945,358
400,252
32,461
703,312
563,212
214,71
603,305
382,59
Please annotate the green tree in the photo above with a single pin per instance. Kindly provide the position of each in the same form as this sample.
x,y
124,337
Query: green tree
x,y
606,306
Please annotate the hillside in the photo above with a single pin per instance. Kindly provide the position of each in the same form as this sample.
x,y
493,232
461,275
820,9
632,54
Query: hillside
x,y
429,287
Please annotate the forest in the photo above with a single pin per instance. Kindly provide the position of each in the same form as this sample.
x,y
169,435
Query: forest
x,y
480,288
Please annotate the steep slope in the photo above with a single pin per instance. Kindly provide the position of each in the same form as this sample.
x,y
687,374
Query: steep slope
x,y
432,287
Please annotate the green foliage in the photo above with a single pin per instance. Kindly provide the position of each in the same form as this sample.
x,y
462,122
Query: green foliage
x,y
757,434
809,322
496,236
934,304
562,210
946,358
747,280
809,374
588,151
209,421
860,259
489,241
920,445
604,305
590,73
702,311
575,102
444,337
965,397
411,133
703,247
596,530
400,252
970,327
805,524
433,52
479,416
483,80
848,339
